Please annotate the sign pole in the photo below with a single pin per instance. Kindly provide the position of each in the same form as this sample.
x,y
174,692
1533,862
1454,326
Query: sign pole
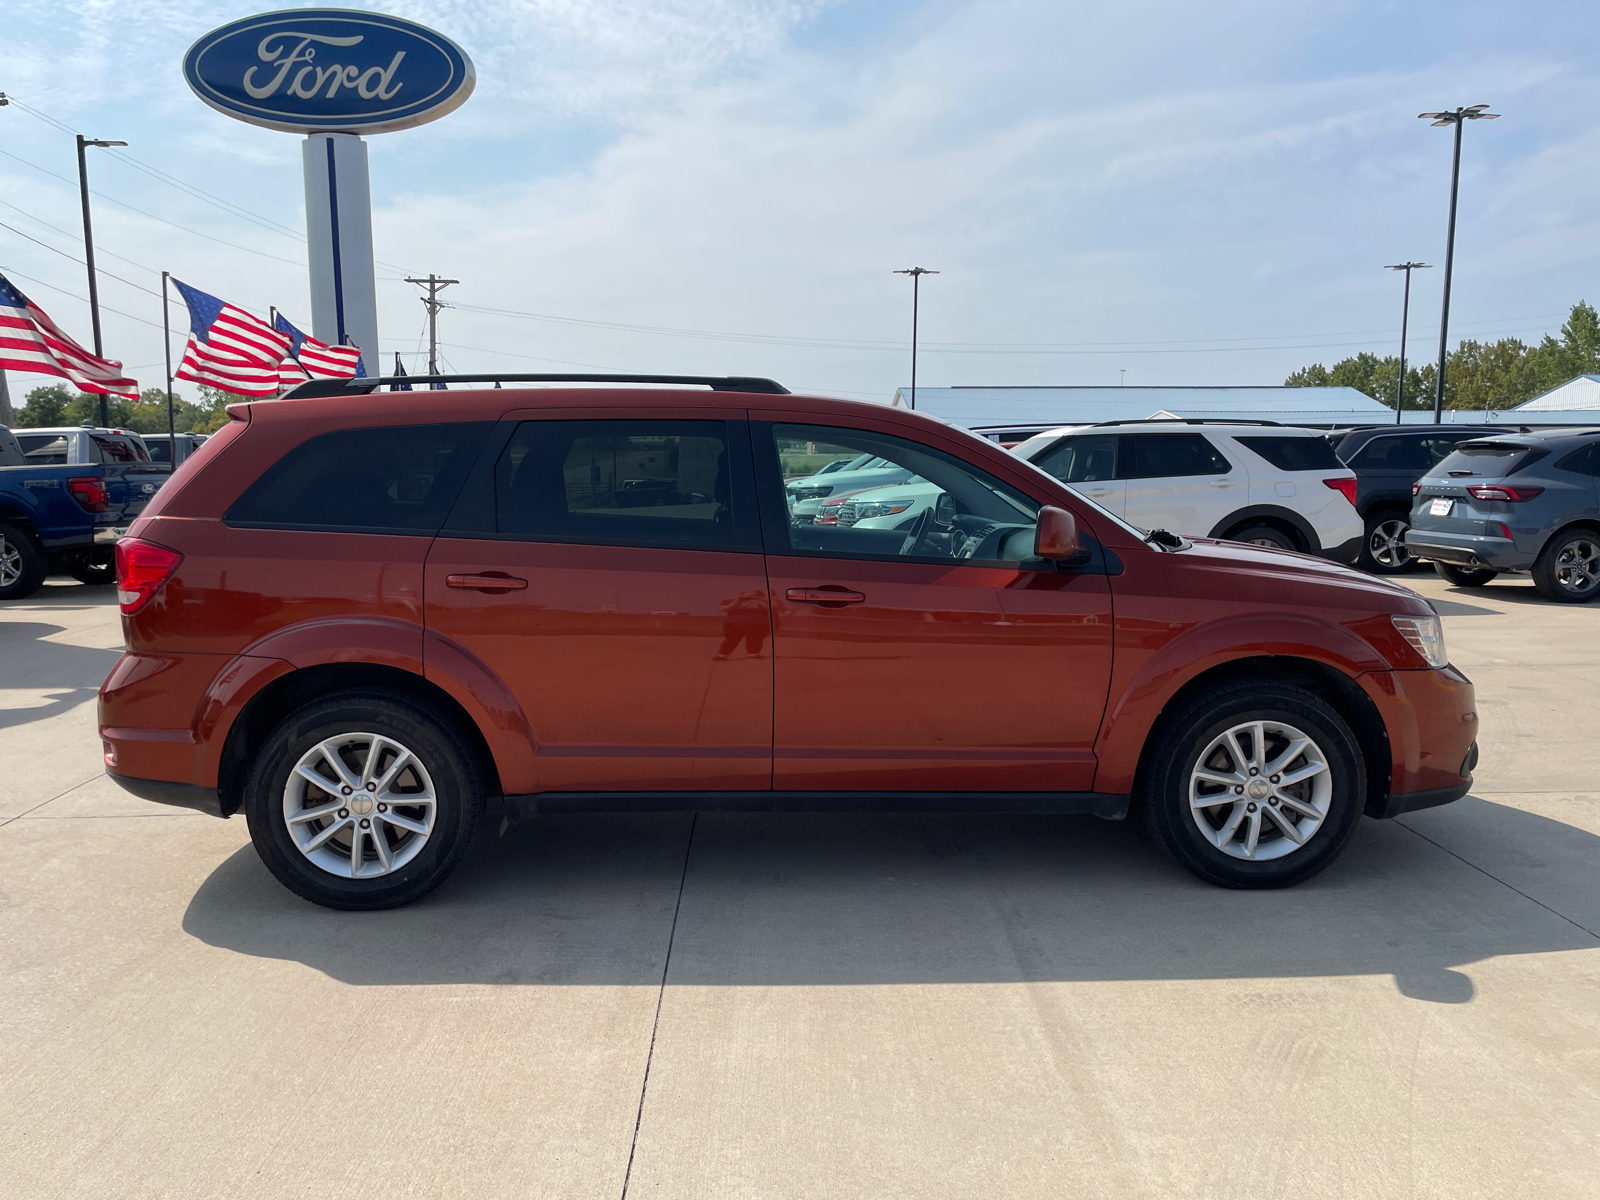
x,y
344,293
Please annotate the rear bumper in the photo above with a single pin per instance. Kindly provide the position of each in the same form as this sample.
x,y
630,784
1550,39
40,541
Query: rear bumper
x,y
179,795
1467,550
1345,552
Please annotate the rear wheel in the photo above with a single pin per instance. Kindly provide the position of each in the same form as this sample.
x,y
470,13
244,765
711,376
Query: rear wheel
x,y
1254,784
1383,552
1465,576
21,564
1568,568
364,799
1264,535
96,568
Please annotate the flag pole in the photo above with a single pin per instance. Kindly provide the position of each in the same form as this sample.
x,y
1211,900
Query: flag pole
x,y
166,347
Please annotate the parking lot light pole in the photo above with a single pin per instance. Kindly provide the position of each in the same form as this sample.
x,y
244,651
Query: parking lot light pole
x,y
88,257
1405,314
1457,117
916,274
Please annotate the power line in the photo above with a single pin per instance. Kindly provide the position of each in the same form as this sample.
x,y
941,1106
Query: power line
x,y
75,296
79,261
77,237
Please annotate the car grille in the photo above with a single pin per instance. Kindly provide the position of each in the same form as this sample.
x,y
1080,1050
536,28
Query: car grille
x,y
847,513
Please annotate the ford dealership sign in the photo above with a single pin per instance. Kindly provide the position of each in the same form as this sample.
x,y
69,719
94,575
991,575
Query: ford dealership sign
x,y
318,70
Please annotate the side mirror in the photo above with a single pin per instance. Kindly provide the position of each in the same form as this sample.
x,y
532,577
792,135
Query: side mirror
x,y
1056,537
944,509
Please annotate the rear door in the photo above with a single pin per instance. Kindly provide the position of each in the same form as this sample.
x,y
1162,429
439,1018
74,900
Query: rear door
x,y
1179,482
1088,463
610,573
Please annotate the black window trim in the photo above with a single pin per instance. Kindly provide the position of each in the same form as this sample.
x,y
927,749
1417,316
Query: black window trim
x,y
472,516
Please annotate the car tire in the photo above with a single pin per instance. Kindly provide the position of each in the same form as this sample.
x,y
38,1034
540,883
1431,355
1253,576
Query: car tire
x,y
94,569
1465,576
1568,568
1264,535
21,564
1383,544
1239,731
404,837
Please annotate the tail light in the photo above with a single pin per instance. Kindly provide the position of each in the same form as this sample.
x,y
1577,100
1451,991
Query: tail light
x,y
1347,486
1502,491
1415,488
90,493
142,567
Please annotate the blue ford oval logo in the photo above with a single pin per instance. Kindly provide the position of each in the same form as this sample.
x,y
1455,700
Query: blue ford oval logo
x,y
311,70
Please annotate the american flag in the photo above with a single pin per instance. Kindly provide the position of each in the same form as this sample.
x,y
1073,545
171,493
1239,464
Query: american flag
x,y
228,348
399,370
311,359
31,341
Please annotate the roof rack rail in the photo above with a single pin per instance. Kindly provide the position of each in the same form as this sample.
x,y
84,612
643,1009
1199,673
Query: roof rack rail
x,y
1184,421
347,387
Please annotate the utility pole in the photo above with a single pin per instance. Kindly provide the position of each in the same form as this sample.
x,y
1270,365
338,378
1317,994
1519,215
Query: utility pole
x,y
1405,313
88,257
916,274
433,304
1457,117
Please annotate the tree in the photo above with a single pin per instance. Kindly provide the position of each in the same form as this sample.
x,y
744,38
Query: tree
x,y
56,404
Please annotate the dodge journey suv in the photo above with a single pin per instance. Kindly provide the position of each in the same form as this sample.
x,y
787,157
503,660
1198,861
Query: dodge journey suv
x,y
357,619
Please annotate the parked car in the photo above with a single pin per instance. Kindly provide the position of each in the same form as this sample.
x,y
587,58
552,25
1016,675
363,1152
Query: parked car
x,y
370,613
160,445
1256,482
66,495
1387,461
807,492
1515,502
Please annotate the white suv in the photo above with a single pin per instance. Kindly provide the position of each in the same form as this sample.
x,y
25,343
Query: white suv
x,y
1269,484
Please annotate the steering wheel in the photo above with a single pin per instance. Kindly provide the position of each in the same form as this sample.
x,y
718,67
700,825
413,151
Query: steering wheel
x,y
919,533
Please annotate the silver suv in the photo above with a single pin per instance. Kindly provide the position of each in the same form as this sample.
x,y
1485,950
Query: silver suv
x,y
1515,502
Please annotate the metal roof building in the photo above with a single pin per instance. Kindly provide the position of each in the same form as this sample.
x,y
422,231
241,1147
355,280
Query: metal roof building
x,y
1575,395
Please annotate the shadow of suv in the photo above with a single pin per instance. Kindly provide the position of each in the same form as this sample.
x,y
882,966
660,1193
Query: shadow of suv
x,y
1515,502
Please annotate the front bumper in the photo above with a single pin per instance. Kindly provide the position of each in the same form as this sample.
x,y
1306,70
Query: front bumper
x,y
1467,550
180,795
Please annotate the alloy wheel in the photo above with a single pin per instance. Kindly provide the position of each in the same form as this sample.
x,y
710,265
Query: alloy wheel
x,y
359,805
1578,566
1260,790
10,562
1387,544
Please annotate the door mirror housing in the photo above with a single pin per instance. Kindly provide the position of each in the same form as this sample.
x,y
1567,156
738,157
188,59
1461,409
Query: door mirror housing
x,y
944,509
1056,537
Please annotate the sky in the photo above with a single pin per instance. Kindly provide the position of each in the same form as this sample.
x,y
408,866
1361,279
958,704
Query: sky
x,y
1151,191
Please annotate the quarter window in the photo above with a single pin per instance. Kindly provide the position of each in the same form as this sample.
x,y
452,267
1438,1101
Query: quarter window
x,y
1582,462
1164,455
399,479
1294,453
637,483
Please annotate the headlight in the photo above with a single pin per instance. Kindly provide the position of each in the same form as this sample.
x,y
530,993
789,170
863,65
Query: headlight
x,y
880,508
1426,635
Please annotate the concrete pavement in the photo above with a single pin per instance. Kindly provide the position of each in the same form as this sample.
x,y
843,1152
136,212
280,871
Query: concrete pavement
x,y
853,1006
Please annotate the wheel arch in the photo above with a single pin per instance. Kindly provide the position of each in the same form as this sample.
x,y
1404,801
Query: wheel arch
x,y
263,712
1289,521
1336,689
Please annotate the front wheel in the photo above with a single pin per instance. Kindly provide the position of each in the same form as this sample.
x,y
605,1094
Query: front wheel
x,y
1254,784
1384,552
365,799
1568,568
1465,576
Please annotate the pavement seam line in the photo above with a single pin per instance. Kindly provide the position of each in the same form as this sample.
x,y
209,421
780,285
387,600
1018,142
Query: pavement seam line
x,y
644,1084
52,800
1500,881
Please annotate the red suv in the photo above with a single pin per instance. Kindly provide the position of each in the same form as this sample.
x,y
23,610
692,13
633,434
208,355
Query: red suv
x,y
358,617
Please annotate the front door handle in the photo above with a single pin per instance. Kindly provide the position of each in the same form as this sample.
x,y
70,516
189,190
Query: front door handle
x,y
493,582
827,594
1224,483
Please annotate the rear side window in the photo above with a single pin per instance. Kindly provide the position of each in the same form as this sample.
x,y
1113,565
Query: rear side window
x,y
1081,459
636,483
400,479
1164,455
44,449
1296,453
1485,460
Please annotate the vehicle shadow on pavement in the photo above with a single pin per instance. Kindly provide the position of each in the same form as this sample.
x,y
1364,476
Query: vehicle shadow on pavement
x,y
781,900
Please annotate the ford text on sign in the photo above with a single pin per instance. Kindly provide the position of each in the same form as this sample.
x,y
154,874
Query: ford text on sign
x,y
311,70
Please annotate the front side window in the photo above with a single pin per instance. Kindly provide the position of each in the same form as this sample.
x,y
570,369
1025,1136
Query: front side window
x,y
945,510
640,483
1084,459
400,479
1166,455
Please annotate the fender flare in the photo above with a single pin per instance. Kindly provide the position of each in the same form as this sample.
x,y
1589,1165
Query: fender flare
x,y
1135,706
1313,544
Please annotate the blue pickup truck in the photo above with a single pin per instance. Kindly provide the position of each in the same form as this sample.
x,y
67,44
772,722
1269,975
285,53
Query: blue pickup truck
x,y
66,495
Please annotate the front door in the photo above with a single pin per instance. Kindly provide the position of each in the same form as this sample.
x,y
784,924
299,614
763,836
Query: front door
x,y
610,573
935,657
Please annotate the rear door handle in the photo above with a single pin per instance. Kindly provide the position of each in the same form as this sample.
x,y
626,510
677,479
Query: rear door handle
x,y
1224,483
489,581
825,595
